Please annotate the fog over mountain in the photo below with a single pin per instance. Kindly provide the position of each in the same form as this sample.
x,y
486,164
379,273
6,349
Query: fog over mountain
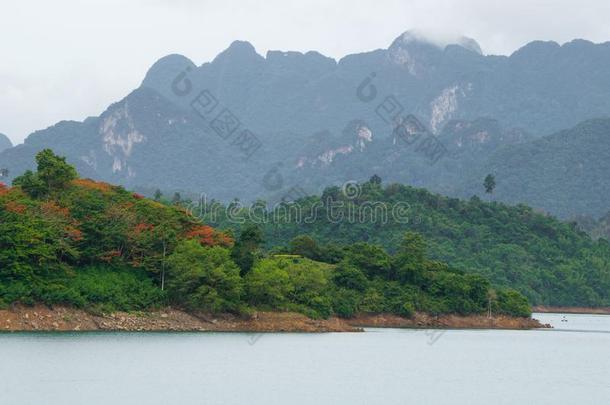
x,y
252,126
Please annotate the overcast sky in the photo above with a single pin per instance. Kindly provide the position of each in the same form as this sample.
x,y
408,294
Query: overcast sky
x,y
69,59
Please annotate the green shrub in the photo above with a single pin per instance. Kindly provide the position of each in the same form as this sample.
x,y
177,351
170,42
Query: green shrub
x,y
121,289
407,309
204,278
349,276
510,302
268,285
346,303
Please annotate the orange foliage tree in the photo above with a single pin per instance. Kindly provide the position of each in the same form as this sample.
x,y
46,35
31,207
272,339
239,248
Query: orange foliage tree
x,y
208,236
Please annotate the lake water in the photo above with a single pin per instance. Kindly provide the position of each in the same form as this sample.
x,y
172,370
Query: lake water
x,y
568,365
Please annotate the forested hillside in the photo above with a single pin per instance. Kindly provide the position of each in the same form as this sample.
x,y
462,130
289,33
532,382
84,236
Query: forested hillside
x,y
73,241
550,261
565,173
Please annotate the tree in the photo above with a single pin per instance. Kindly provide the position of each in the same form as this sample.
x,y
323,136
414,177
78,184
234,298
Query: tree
x,y
53,170
268,284
204,278
53,174
350,277
332,253
158,195
510,302
176,198
491,297
409,264
31,184
413,245
375,180
166,233
208,236
287,282
345,302
244,251
155,236
330,194
371,259
305,246
489,183
309,280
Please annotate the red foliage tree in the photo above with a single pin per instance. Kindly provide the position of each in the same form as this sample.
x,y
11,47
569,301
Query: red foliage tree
x,y
208,236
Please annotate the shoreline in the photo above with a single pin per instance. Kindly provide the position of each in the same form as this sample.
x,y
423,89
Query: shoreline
x,y
571,310
427,321
40,318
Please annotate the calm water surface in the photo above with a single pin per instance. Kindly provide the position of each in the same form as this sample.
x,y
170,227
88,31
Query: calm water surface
x,y
568,365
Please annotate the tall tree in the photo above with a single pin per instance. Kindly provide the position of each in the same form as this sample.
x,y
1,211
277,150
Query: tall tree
x,y
489,183
53,170
375,180
158,195
244,252
409,262
305,246
53,174
204,278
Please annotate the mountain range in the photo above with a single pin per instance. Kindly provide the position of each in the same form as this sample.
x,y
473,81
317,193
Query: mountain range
x,y
5,143
289,123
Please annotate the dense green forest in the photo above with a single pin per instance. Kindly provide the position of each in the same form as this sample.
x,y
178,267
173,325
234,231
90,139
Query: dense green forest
x,y
565,173
72,241
549,261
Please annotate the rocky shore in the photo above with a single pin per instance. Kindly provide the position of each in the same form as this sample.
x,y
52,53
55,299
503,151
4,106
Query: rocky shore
x,y
43,318
421,320
572,310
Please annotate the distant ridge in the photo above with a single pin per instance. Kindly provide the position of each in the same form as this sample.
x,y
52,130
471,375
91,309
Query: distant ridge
x,y
313,123
5,142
